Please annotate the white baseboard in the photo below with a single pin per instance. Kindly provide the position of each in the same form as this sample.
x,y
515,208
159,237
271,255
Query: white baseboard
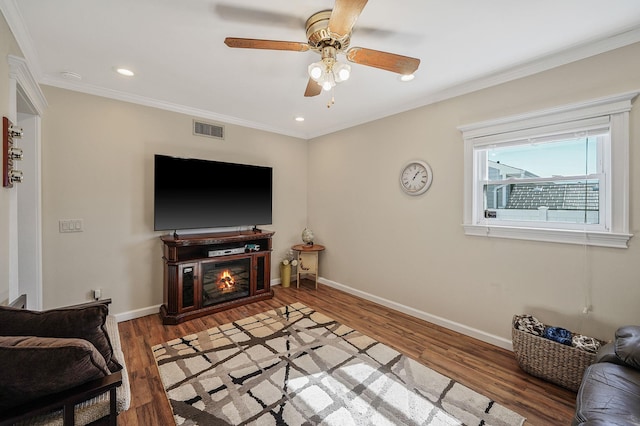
x,y
451,325
137,313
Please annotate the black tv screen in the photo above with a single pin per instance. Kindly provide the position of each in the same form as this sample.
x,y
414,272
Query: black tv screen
x,y
192,193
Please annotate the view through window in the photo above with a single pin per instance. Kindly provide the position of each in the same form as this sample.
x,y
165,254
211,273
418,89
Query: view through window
x,y
553,180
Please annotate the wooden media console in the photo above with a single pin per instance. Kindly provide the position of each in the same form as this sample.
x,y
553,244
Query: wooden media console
x,y
206,273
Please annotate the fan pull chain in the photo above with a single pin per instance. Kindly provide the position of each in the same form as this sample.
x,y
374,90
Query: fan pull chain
x,y
333,100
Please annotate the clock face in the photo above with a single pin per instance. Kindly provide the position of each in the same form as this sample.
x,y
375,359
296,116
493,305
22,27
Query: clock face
x,y
416,177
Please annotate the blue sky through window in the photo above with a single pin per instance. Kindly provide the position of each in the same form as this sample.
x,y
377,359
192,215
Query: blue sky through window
x,y
559,158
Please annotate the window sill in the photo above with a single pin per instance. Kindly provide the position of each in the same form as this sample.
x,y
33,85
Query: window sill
x,y
601,239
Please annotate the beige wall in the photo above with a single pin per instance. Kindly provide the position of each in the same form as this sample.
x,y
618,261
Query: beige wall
x,y
8,199
97,165
413,251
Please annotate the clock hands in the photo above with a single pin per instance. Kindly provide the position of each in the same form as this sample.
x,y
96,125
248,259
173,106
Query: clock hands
x,y
410,181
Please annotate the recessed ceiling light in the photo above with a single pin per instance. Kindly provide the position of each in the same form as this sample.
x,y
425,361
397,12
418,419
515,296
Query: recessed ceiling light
x,y
125,72
300,119
407,77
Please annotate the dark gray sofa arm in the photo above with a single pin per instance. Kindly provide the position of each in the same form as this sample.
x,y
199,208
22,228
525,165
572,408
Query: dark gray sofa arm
x,y
607,353
627,345
624,350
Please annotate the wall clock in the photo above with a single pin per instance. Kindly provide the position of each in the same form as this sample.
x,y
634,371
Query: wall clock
x,y
416,177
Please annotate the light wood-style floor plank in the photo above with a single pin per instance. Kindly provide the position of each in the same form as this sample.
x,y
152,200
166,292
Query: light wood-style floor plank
x,y
485,368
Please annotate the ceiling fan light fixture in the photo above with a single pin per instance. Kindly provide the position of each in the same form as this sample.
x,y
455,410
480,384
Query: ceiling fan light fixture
x,y
329,34
327,73
407,77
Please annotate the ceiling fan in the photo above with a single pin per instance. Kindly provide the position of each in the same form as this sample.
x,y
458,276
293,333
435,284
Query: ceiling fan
x,y
329,34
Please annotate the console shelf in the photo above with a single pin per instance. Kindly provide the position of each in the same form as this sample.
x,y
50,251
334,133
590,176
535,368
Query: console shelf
x,y
193,268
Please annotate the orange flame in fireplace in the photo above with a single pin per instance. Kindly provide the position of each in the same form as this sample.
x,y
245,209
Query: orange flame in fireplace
x,y
226,281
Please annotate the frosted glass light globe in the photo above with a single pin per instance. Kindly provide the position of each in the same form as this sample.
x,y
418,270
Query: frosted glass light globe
x,y
343,71
315,71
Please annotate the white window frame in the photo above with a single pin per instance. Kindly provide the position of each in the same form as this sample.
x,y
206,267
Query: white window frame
x,y
612,111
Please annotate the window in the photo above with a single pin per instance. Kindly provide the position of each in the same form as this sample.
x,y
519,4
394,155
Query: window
x,y
558,175
552,183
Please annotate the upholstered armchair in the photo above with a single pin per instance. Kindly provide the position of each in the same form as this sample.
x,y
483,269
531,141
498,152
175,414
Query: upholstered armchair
x,y
63,365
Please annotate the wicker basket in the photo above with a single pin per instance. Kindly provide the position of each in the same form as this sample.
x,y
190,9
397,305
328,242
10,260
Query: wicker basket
x,y
560,364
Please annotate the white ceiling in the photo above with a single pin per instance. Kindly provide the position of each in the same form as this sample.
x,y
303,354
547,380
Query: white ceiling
x,y
176,49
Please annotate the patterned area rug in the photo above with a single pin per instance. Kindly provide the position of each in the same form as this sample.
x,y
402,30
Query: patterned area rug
x,y
295,366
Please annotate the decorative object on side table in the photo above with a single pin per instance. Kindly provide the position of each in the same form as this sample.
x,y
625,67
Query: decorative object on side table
x,y
307,236
285,268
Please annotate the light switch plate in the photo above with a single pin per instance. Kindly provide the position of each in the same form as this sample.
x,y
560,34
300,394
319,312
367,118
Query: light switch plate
x,y
70,225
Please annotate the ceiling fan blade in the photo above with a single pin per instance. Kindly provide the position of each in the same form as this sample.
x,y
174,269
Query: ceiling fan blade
x,y
344,16
313,89
383,60
229,12
252,43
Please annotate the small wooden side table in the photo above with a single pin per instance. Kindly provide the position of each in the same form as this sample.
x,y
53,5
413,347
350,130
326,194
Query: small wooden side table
x,y
307,260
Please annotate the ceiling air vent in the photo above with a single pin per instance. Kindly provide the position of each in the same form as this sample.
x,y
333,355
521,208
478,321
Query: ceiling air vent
x,y
210,130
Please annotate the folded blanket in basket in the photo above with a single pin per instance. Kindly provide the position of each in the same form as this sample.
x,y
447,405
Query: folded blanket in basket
x,y
585,343
529,324
558,334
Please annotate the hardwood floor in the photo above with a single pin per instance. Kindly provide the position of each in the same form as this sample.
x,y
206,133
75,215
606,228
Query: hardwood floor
x,y
490,370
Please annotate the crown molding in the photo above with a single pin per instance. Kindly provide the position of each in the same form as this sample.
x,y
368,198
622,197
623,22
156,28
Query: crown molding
x,y
164,105
535,66
574,112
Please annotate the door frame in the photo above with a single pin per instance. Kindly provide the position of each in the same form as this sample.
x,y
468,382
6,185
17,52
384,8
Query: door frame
x,y
26,104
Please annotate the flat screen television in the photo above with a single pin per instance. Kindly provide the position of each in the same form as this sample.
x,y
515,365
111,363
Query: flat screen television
x,y
192,193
